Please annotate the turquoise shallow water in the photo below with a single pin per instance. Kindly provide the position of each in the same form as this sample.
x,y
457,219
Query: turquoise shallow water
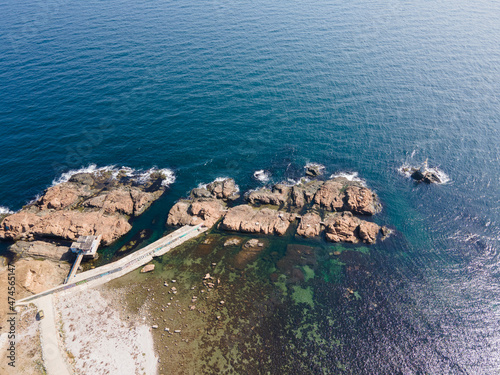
x,y
221,88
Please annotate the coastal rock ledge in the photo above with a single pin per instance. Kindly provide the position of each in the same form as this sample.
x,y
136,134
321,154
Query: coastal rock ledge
x,y
332,208
97,203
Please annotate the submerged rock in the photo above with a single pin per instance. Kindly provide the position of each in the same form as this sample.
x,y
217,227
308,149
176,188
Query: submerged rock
x,y
232,242
148,268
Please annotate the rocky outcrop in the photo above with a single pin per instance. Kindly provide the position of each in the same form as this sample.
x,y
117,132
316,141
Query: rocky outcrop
x,y
330,195
225,189
67,225
277,196
245,218
87,204
205,205
204,211
42,249
310,225
314,170
361,200
314,199
304,193
345,227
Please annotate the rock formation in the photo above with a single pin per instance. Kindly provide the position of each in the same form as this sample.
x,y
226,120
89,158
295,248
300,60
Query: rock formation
x,y
87,204
205,205
345,227
314,199
205,210
245,218
310,225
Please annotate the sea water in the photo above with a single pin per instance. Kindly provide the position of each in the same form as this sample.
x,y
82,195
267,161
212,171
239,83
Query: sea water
x,y
208,89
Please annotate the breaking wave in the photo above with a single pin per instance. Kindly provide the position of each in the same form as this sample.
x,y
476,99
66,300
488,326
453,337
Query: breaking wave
x,y
351,176
406,170
5,210
138,175
262,175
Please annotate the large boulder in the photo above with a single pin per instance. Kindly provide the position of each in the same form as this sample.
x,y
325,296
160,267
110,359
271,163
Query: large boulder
x,y
206,211
314,170
345,227
225,189
361,200
59,197
245,218
303,193
330,196
310,225
342,228
130,201
277,196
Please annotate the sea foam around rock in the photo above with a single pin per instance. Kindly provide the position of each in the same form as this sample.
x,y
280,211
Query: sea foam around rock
x,y
139,175
406,170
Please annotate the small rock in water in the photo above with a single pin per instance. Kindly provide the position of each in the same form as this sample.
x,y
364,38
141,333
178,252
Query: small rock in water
x,y
148,268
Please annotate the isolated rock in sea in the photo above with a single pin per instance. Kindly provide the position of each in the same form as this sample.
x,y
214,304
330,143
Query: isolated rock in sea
x,y
245,218
427,176
310,225
314,170
248,253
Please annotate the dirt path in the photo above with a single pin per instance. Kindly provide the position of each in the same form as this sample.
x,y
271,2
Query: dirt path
x,y
51,351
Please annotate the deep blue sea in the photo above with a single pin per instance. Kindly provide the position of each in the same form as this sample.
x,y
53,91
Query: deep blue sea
x,y
224,88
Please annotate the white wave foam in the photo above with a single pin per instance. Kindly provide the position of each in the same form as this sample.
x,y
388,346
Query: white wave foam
x,y
317,165
5,210
140,176
262,175
407,170
292,182
218,179
350,176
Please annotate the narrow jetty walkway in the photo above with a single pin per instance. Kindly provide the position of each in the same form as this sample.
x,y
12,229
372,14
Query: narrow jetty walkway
x,y
74,268
103,274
